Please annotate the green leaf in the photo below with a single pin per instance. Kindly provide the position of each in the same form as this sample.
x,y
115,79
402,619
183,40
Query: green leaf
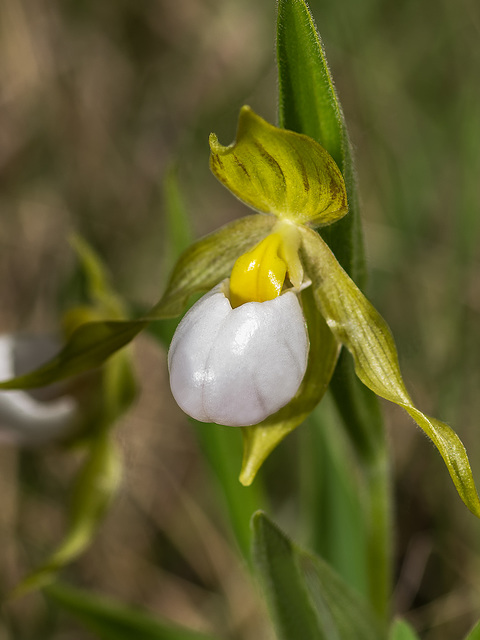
x,y
109,620
474,633
95,487
308,104
401,630
261,439
307,599
357,324
280,172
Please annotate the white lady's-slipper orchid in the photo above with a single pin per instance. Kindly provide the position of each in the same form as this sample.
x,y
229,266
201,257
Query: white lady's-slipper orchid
x,y
240,353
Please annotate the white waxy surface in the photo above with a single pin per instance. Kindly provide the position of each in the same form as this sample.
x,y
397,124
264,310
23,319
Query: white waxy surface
x,y
238,366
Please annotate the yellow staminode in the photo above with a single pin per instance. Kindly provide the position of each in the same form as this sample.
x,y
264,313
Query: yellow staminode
x,y
259,274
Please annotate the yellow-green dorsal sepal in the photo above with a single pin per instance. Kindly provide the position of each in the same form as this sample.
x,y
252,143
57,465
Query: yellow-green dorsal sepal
x,y
281,172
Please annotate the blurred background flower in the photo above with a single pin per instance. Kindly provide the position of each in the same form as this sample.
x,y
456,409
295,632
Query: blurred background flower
x,y
41,415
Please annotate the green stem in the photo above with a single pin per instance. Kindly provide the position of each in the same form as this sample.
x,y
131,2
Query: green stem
x,y
362,418
378,513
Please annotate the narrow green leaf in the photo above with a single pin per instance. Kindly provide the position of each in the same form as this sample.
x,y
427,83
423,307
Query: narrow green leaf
x,y
261,439
287,595
357,324
95,487
401,630
280,172
474,633
307,599
308,103
109,620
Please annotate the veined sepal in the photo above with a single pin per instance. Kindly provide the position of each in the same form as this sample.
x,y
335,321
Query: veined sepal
x,y
280,172
358,325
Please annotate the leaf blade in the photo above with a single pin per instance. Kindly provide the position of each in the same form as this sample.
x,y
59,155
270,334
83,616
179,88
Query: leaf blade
x,y
306,597
308,103
112,621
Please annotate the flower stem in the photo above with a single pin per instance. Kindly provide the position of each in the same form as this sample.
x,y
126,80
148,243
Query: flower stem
x,y
362,418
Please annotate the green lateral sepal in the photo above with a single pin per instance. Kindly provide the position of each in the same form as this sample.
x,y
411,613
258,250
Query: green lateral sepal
x,y
356,324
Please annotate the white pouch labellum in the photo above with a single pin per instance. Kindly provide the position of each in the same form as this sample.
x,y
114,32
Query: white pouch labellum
x,y
238,366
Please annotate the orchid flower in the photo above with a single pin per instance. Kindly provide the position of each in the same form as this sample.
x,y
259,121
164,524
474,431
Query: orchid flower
x,y
260,348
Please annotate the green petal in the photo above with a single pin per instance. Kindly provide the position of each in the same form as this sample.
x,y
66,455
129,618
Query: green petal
x,y
260,440
357,324
307,599
280,172
209,261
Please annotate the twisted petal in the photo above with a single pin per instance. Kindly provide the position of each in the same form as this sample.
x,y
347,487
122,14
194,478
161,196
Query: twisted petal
x,y
357,324
238,366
